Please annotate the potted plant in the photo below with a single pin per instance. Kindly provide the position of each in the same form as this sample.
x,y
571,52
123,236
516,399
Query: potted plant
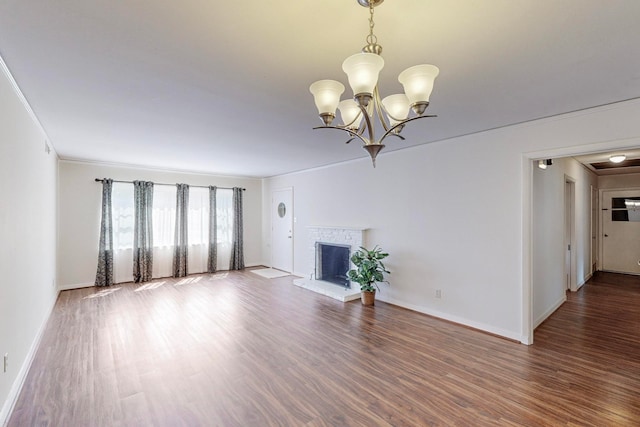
x,y
369,272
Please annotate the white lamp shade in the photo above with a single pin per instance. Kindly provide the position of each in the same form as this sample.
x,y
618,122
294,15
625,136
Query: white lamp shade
x,y
418,82
349,111
397,107
362,70
326,94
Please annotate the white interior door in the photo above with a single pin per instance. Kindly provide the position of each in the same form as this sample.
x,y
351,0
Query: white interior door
x,y
282,230
621,231
569,224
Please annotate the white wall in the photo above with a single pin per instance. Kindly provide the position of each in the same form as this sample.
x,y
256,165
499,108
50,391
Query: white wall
x,y
548,214
28,180
80,199
454,215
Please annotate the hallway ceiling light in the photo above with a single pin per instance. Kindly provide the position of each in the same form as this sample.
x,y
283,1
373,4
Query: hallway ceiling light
x,y
617,158
362,71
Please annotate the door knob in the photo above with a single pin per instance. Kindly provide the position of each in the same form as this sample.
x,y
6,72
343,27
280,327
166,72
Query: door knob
x,y
606,235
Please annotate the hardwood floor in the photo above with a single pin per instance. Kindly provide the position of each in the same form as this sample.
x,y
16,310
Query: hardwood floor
x,y
240,350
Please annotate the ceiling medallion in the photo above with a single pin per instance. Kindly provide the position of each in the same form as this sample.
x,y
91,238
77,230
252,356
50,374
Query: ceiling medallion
x,y
362,71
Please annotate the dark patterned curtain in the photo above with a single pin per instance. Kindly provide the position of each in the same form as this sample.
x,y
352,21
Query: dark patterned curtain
x,y
104,275
237,248
212,265
181,244
143,231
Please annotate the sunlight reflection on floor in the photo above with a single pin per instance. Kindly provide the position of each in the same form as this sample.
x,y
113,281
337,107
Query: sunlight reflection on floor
x,y
102,293
188,280
150,286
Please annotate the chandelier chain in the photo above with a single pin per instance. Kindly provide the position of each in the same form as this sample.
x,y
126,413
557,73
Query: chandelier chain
x,y
371,38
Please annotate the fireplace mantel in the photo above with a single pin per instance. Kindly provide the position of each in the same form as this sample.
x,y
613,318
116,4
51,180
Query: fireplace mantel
x,y
341,235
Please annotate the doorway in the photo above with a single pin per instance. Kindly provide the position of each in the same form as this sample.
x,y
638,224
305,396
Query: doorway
x,y
282,230
621,231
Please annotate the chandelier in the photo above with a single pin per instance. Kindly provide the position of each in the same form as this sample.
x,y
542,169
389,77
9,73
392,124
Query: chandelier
x,y
362,70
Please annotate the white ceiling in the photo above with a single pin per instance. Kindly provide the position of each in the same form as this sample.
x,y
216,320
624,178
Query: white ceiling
x,y
222,87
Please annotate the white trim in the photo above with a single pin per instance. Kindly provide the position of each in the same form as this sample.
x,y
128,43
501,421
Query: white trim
x,y
550,311
154,169
455,319
585,149
25,103
526,329
586,279
573,267
338,227
75,286
16,388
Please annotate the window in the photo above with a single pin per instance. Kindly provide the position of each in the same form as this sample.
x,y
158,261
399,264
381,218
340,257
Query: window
x,y
625,209
164,222
122,213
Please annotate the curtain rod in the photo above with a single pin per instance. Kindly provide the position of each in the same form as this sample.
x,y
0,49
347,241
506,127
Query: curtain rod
x,y
157,183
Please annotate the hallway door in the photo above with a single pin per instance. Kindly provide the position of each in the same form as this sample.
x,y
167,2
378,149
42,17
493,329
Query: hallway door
x,y
621,231
282,230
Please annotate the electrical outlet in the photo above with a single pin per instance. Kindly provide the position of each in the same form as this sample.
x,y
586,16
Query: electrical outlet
x,y
438,293
6,362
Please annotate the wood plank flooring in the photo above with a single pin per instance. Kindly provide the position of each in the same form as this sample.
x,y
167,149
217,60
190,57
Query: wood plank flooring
x,y
235,349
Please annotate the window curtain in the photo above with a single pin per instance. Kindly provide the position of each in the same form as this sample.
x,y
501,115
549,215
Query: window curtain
x,y
143,231
237,245
181,245
212,266
104,274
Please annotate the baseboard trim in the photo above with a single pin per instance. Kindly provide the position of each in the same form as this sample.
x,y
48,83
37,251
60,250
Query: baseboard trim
x,y
586,279
76,286
16,388
455,319
549,312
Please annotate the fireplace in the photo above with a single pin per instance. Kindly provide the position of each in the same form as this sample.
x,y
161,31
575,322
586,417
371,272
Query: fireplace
x,y
341,239
332,263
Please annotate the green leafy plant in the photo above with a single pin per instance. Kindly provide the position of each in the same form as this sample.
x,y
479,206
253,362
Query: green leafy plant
x,y
370,269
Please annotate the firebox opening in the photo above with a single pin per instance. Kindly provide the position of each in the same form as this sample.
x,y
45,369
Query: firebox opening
x,y
332,263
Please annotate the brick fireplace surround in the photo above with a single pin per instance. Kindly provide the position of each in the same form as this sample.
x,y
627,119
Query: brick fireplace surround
x,y
354,237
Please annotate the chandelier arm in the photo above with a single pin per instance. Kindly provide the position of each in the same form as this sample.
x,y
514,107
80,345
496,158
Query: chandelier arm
x,y
369,127
363,125
348,125
349,131
389,132
377,105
